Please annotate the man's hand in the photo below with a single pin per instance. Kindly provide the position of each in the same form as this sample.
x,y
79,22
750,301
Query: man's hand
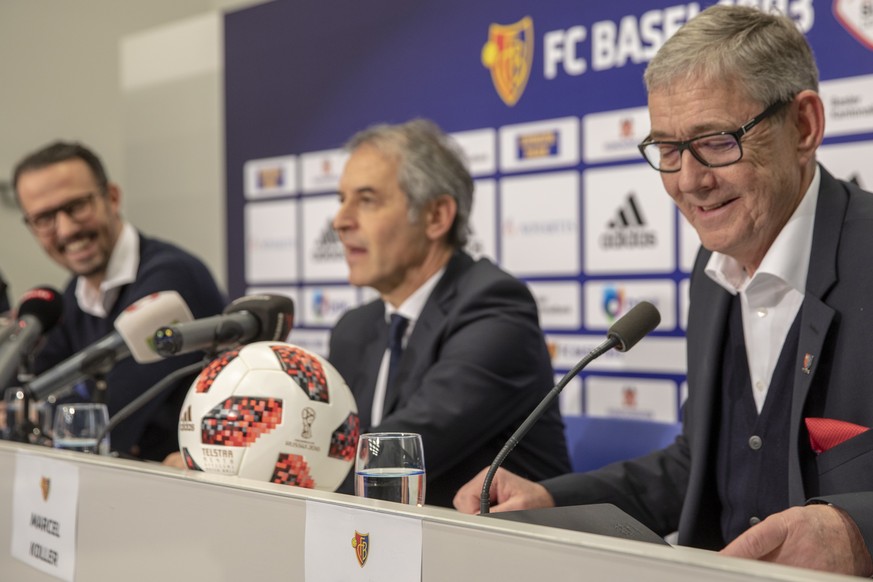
x,y
175,459
820,537
508,492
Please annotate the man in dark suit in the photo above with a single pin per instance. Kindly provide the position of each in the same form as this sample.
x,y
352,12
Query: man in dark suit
x,y
74,212
775,456
474,362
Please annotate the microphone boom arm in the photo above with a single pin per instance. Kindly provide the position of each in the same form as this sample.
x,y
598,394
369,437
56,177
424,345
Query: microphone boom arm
x,y
148,395
485,500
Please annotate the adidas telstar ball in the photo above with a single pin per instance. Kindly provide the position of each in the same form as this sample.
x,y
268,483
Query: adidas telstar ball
x,y
271,411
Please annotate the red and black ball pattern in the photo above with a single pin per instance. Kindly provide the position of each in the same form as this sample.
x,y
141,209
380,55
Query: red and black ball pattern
x,y
292,469
239,420
208,375
344,439
306,371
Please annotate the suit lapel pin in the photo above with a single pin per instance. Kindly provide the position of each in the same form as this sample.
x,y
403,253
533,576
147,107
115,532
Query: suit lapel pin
x,y
807,363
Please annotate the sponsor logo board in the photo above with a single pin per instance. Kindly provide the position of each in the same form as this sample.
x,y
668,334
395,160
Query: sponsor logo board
x,y
270,177
551,143
320,171
659,355
629,221
613,135
271,241
559,304
607,301
323,256
540,224
479,147
644,399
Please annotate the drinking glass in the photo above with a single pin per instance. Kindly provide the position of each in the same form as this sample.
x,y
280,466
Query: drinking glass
x,y
390,466
12,421
77,427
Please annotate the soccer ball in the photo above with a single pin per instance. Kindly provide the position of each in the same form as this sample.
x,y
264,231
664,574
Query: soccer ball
x,y
274,412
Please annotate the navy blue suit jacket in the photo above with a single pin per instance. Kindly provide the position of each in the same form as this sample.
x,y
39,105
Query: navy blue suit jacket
x,y
151,433
475,366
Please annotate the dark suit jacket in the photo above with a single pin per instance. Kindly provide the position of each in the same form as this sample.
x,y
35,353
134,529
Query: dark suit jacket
x,y
475,365
676,487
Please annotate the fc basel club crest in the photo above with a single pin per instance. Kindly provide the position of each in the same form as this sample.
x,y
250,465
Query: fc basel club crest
x,y
44,485
361,544
509,54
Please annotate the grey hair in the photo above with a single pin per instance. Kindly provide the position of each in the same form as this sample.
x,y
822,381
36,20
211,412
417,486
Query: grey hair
x,y
430,165
763,54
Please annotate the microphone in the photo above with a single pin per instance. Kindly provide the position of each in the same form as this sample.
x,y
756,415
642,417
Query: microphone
x,y
623,335
248,319
40,309
132,336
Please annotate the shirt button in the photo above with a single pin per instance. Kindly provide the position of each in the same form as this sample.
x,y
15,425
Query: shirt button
x,y
754,520
762,312
755,442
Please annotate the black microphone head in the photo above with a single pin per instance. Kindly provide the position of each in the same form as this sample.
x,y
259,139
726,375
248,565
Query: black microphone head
x,y
43,303
634,325
275,314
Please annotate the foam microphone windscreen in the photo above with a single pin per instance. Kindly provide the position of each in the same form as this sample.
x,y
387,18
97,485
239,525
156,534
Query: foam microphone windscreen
x,y
634,325
137,323
275,314
44,304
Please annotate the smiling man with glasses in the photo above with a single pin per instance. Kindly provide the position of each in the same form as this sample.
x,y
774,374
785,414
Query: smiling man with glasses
x,y
74,212
713,150
79,209
775,461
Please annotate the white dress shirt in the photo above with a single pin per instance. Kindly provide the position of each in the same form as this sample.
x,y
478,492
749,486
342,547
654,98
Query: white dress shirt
x,y
771,298
121,270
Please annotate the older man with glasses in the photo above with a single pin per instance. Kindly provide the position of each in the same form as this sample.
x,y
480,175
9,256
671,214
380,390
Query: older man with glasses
x,y
74,211
775,461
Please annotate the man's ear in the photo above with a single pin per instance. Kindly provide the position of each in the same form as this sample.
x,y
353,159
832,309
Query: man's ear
x,y
810,124
439,216
113,196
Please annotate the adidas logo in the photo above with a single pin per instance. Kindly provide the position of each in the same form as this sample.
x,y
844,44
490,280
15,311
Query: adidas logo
x,y
627,229
628,215
328,247
185,422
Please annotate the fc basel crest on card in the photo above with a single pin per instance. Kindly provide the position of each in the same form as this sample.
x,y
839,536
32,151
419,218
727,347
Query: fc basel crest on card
x,y
361,544
509,54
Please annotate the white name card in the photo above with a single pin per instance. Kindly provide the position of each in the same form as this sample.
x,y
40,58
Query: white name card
x,y
347,545
44,509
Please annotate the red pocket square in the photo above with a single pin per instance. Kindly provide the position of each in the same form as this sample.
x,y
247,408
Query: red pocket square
x,y
826,433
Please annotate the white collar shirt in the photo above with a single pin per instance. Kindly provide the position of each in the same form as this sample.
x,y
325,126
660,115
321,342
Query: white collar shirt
x,y
771,298
121,270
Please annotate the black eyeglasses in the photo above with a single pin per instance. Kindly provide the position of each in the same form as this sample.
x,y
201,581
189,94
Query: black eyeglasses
x,y
79,210
713,150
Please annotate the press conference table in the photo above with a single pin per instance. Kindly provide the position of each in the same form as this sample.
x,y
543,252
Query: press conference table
x,y
143,521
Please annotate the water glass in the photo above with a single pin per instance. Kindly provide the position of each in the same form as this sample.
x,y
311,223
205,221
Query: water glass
x,y
390,466
77,427
13,424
